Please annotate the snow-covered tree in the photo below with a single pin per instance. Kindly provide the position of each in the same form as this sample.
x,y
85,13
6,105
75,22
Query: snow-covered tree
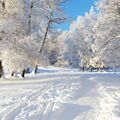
x,y
60,47
107,28
25,54
12,26
71,54
23,27
54,14
81,34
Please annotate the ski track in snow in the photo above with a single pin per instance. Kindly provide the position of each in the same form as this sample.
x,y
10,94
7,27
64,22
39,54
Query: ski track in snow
x,y
61,97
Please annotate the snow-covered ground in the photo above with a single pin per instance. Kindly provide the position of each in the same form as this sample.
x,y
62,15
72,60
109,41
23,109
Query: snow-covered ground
x,y
61,96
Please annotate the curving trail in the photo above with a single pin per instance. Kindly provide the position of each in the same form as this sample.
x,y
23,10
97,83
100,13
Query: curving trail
x,y
61,96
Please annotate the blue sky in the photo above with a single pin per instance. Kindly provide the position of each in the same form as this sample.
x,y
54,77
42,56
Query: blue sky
x,y
74,8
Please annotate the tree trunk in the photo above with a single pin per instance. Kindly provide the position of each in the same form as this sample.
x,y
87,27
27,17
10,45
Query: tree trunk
x,y
13,73
91,69
36,68
23,73
45,36
3,4
30,16
1,69
83,68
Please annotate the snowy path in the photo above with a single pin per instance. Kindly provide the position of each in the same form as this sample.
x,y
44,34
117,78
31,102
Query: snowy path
x,y
70,96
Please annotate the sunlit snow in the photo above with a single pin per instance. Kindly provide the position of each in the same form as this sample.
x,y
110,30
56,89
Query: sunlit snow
x,y
61,96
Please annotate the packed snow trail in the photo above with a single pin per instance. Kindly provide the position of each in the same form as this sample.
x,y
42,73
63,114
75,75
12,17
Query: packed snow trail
x,y
61,96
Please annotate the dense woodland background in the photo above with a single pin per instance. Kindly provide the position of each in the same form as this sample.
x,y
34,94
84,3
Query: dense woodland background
x,y
28,36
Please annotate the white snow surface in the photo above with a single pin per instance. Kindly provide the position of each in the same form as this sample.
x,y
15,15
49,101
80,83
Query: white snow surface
x,y
61,96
